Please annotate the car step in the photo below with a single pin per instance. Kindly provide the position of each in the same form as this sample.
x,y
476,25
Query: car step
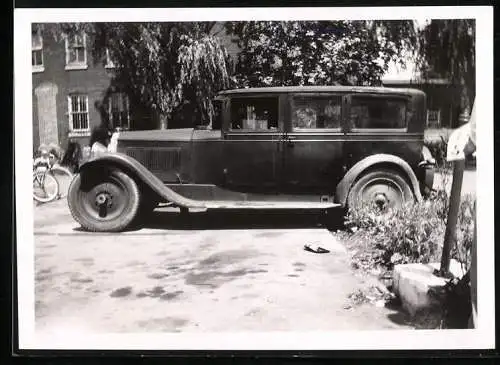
x,y
269,205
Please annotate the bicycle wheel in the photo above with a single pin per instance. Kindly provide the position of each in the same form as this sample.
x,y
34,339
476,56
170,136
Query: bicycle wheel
x,y
45,187
63,177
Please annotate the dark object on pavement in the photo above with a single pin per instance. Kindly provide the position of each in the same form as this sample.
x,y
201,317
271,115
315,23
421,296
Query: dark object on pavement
x,y
315,249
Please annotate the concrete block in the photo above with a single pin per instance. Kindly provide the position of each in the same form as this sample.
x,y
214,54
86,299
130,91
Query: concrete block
x,y
411,283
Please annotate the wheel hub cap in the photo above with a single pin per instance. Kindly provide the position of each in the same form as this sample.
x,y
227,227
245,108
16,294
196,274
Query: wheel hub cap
x,y
103,200
381,200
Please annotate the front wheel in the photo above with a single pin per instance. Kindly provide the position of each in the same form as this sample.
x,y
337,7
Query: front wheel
x,y
386,189
104,201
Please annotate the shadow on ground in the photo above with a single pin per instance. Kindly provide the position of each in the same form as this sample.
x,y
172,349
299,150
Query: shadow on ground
x,y
232,219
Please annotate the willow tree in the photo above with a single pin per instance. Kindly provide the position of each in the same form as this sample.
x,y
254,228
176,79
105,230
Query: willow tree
x,y
165,66
447,47
277,53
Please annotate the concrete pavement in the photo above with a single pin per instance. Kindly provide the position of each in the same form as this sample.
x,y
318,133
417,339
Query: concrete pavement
x,y
216,273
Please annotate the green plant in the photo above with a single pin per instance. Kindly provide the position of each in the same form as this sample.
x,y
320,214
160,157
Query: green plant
x,y
465,231
414,233
411,234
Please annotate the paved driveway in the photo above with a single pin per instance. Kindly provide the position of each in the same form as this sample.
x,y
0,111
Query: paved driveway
x,y
468,183
210,274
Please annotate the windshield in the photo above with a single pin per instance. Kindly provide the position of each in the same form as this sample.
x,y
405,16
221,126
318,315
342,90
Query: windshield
x,y
218,114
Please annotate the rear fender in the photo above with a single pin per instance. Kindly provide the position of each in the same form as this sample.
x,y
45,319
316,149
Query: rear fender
x,y
378,160
140,174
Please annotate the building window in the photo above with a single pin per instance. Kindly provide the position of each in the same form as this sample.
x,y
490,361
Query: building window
x,y
119,111
37,51
76,52
109,61
433,118
78,111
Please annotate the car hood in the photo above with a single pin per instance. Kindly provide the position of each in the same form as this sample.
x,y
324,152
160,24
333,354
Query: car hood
x,y
183,134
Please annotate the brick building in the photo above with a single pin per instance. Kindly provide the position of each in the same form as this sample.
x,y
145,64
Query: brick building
x,y
74,92
69,91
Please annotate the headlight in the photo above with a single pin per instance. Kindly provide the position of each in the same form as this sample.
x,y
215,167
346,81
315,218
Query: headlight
x,y
113,143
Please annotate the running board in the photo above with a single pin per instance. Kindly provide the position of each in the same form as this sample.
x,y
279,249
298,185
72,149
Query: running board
x,y
269,205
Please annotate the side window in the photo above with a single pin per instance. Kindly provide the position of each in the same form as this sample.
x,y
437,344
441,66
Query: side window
x,y
254,113
377,113
317,112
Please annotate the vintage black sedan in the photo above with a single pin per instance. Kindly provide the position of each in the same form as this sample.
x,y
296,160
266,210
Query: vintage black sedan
x,y
315,148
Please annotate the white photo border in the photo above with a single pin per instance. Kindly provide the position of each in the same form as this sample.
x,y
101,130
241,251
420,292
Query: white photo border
x,y
481,338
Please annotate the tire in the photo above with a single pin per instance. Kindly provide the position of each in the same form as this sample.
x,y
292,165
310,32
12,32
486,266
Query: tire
x,y
106,200
385,188
45,187
64,178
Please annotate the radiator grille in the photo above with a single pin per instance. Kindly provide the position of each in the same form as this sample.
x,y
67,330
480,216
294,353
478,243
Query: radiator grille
x,y
156,159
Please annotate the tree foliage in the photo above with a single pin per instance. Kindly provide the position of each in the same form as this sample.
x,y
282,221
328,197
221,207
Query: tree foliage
x,y
278,53
167,66
447,48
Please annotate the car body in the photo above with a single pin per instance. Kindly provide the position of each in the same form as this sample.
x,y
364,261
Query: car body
x,y
318,147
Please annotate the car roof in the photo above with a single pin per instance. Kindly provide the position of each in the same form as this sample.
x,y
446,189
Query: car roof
x,y
318,89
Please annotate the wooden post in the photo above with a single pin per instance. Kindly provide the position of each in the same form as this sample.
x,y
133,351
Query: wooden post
x,y
451,223
473,275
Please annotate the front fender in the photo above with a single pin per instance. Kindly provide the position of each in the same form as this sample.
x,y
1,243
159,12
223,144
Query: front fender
x,y
141,174
343,187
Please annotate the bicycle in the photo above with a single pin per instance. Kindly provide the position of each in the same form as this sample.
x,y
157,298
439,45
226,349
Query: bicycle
x,y
50,180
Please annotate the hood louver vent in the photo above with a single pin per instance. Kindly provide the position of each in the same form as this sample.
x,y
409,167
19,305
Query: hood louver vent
x,y
156,159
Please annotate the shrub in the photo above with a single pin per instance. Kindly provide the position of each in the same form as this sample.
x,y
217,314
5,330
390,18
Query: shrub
x,y
465,231
411,234
415,233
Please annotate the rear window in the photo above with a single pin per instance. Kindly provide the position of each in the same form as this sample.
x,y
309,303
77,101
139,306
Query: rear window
x,y
377,113
254,113
317,112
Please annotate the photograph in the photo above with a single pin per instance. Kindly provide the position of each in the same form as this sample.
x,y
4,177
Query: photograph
x,y
254,179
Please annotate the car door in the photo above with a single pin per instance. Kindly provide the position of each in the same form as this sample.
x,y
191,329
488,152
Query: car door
x,y
313,143
252,138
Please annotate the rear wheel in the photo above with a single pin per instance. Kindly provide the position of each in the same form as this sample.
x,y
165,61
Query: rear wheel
x,y
386,189
106,200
